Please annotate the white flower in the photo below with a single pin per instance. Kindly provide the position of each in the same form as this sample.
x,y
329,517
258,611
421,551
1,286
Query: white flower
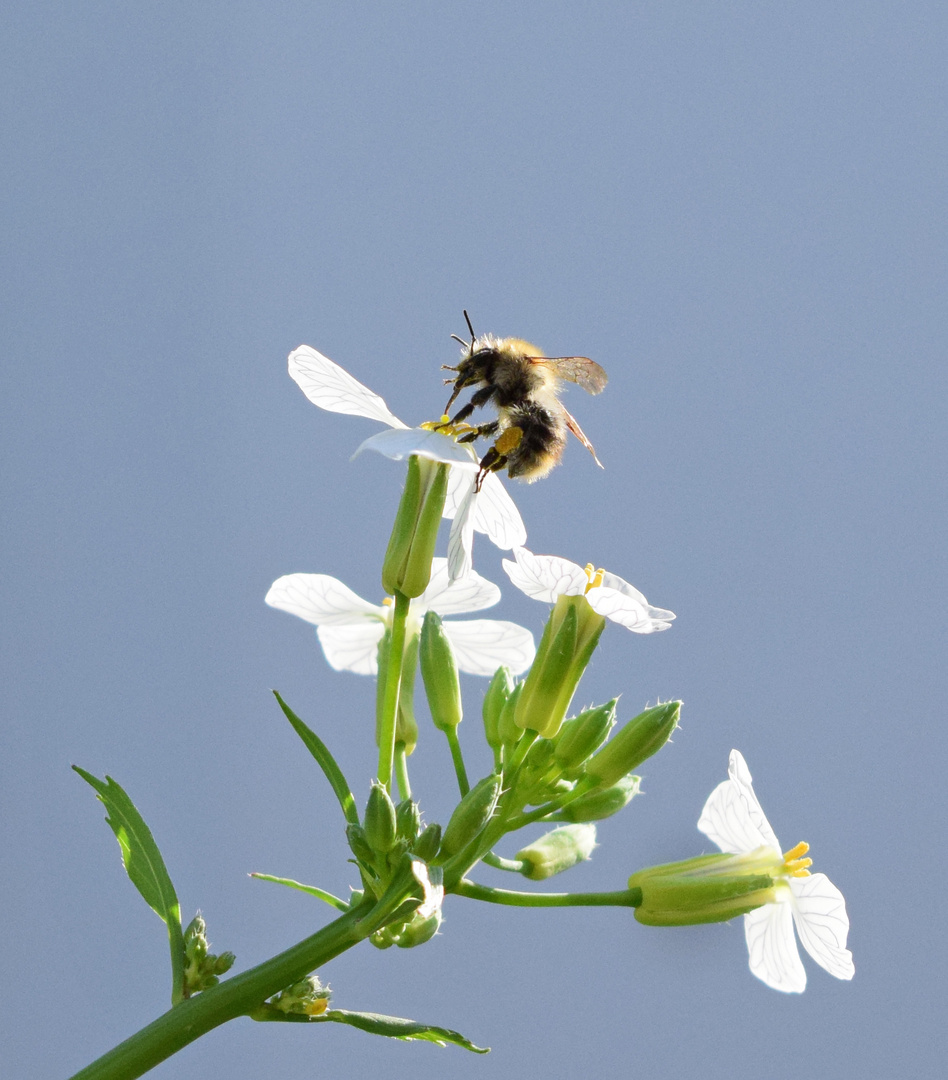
x,y
733,819
545,577
350,628
491,511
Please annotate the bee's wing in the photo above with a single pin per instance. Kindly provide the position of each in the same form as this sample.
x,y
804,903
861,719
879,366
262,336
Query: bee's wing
x,y
576,369
578,432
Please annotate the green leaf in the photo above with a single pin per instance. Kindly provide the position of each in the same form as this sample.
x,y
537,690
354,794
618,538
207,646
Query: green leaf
x,y
312,890
395,1027
325,760
144,865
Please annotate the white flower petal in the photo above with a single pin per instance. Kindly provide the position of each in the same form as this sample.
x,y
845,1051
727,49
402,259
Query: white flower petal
x,y
481,646
819,912
626,610
613,581
545,577
726,819
461,537
772,948
446,597
739,774
353,647
399,444
495,513
497,516
430,878
320,599
330,387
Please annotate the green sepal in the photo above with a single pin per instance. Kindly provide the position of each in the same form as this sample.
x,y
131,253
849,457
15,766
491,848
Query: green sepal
x,y
325,760
144,866
407,565
427,844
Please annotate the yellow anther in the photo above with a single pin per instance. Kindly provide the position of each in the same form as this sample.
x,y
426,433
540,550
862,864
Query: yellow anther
x,y
387,602
317,1007
793,861
593,577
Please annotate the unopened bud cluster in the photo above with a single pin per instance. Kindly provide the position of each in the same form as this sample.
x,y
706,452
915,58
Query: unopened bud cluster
x,y
308,997
202,969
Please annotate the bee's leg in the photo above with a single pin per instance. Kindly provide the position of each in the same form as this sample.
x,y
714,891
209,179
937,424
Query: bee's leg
x,y
492,461
478,398
481,430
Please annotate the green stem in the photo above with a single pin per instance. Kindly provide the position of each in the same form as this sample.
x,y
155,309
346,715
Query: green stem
x,y
234,997
401,771
393,678
620,898
500,863
451,734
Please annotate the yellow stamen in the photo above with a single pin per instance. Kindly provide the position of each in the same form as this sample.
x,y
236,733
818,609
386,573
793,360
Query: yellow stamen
x,y
317,1007
793,861
593,577
387,602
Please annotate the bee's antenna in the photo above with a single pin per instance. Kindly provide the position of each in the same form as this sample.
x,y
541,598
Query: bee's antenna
x,y
459,340
467,319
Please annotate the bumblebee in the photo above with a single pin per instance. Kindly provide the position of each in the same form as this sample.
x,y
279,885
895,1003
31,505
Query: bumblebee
x,y
523,386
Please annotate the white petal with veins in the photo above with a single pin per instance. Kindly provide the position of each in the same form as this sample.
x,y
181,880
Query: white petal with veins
x,y
330,387
319,599
481,646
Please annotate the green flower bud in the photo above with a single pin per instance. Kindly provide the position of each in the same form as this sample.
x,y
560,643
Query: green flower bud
x,y
359,845
603,802
407,566
507,730
407,819
427,845
639,739
439,670
307,997
584,734
379,819
471,814
709,888
224,962
557,851
500,688
569,638
418,930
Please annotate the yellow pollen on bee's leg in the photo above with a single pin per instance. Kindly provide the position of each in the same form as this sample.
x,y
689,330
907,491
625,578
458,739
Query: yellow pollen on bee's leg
x,y
509,440
795,863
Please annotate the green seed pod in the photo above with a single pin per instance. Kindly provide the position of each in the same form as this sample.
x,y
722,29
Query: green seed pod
x,y
582,736
641,737
439,670
603,802
471,814
559,850
380,819
426,846
500,689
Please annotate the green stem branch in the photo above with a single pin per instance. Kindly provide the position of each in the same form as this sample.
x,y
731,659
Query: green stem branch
x,y
393,678
620,898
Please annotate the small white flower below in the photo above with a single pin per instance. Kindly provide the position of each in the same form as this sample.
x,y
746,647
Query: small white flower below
x,y
350,628
733,819
545,577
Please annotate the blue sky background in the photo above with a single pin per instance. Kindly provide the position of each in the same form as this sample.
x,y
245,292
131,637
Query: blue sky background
x,y
739,210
